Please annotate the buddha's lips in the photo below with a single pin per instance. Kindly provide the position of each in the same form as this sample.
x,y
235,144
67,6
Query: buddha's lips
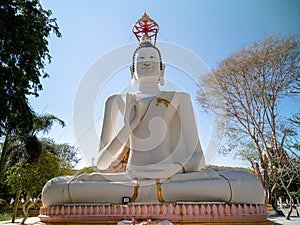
x,y
147,67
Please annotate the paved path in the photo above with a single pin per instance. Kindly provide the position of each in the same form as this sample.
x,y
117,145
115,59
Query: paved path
x,y
282,220
295,220
29,221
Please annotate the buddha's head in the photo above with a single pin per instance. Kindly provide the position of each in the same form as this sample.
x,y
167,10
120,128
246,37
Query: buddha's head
x,y
147,64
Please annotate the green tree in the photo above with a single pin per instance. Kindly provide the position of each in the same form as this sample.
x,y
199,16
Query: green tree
x,y
86,170
28,147
65,151
25,27
246,89
28,179
27,152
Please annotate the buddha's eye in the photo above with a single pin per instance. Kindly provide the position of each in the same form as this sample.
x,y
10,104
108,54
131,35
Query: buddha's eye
x,y
151,57
142,57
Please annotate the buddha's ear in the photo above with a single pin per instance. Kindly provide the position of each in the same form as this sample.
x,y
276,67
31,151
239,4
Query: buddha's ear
x,y
163,66
131,71
133,79
162,75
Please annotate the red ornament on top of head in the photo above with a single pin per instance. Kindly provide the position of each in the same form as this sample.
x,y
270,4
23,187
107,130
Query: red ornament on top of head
x,y
145,27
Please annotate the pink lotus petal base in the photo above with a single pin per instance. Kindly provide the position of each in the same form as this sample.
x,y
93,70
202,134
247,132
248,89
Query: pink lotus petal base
x,y
192,212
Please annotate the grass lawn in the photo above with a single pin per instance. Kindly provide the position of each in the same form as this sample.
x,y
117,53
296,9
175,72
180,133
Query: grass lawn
x,y
6,216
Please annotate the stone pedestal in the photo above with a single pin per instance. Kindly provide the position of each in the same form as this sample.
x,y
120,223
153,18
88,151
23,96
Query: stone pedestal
x,y
177,213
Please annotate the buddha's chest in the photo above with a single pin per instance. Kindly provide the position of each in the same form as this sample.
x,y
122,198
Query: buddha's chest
x,y
154,106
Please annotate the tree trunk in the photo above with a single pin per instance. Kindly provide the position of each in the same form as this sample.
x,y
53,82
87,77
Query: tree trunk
x,y
26,211
24,219
274,197
27,208
266,181
291,200
15,209
291,206
258,172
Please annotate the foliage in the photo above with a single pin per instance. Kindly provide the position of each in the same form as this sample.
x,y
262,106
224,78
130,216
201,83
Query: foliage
x,y
44,123
2,205
86,170
25,27
32,175
16,146
4,216
247,89
35,162
30,178
64,151
24,163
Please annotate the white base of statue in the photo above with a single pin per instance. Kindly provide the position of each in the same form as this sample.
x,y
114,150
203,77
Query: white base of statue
x,y
233,187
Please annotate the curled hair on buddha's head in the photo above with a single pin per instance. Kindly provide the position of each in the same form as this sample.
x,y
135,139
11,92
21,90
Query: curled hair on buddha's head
x,y
146,45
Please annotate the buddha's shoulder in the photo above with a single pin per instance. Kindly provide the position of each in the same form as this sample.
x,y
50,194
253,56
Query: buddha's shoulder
x,y
115,97
181,95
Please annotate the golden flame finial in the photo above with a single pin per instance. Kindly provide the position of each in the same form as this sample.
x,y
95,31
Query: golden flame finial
x,y
145,29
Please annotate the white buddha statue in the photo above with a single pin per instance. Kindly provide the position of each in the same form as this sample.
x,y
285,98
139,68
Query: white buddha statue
x,y
160,156
159,127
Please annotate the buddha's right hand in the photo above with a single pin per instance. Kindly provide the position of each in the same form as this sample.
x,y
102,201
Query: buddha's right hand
x,y
130,108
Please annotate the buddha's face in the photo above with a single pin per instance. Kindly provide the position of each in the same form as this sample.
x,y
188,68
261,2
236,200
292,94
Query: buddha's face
x,y
147,65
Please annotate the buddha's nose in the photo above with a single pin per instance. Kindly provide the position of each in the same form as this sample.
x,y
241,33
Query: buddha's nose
x,y
146,64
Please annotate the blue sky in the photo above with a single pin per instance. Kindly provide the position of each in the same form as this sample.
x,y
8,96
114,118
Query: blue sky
x,y
91,28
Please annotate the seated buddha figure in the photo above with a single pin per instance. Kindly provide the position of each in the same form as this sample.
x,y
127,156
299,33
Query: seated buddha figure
x,y
156,155
159,126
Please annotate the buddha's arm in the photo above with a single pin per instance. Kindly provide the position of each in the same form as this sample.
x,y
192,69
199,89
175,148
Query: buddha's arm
x,y
113,105
194,158
107,153
110,149
191,156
